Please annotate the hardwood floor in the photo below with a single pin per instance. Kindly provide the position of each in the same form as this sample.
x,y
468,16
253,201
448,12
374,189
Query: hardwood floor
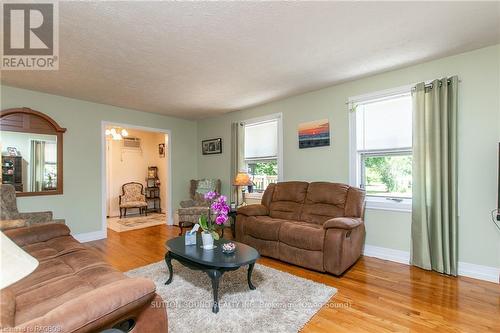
x,y
373,296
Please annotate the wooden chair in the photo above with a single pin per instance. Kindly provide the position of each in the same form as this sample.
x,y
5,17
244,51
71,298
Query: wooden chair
x,y
133,197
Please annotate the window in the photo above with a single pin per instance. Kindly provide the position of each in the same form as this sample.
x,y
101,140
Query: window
x,y
382,150
50,168
261,152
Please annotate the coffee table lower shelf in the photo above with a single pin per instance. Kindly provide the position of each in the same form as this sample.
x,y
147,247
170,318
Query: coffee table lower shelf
x,y
214,273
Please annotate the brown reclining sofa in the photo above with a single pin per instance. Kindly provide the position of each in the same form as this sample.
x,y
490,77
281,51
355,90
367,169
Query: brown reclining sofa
x,y
74,290
315,225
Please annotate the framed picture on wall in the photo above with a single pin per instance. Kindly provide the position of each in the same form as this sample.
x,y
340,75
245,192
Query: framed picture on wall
x,y
314,134
211,146
152,172
161,150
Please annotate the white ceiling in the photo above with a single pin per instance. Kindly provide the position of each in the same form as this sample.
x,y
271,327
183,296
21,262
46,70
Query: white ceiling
x,y
200,59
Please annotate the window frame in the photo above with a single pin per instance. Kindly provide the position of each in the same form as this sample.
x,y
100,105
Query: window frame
x,y
279,158
261,160
355,158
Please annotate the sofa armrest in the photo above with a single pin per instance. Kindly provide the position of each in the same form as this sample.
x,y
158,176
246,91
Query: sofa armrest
x,y
37,233
253,210
12,224
346,223
96,309
36,217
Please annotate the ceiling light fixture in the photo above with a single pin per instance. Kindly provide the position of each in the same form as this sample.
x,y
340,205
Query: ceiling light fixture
x,y
116,133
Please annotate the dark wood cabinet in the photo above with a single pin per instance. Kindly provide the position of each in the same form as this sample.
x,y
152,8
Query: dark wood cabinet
x,y
12,171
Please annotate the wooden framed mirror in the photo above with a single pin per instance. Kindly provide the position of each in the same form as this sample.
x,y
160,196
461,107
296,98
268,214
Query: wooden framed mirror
x,y
32,152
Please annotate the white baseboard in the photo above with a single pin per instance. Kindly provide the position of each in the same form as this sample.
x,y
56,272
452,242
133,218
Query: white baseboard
x,y
90,236
480,272
474,271
402,257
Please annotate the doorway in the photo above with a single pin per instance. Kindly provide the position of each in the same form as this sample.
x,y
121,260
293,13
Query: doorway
x,y
137,191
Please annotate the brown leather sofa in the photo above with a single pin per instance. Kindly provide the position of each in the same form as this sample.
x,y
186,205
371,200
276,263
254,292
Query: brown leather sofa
x,y
315,225
74,290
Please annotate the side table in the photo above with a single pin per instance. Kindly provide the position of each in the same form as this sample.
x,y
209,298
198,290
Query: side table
x,y
232,214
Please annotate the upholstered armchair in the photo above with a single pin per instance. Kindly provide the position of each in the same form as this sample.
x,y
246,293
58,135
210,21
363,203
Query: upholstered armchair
x,y
133,197
192,209
12,217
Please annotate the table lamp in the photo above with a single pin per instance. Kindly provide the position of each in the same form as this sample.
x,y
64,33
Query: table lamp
x,y
15,263
242,179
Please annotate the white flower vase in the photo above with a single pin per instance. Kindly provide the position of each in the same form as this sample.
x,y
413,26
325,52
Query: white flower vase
x,y
207,239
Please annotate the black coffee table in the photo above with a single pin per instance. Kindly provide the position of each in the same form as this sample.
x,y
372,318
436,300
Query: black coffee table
x,y
213,262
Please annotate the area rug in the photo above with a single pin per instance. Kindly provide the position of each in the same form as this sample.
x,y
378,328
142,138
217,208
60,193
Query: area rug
x,y
281,303
135,222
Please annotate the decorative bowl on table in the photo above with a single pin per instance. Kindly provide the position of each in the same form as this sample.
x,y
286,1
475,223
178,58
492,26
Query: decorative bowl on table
x,y
228,248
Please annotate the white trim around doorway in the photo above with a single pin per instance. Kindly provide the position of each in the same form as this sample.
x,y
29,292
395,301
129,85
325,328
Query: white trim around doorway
x,y
168,160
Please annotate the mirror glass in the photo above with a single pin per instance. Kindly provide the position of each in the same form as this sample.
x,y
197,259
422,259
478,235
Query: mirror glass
x,y
29,161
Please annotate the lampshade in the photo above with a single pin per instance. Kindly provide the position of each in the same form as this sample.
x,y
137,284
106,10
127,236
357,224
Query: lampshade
x,y
15,263
242,179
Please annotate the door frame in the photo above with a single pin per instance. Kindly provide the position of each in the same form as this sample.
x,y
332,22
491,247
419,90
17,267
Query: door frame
x,y
169,219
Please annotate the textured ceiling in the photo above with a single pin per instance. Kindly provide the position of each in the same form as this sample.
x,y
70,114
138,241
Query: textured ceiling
x,y
200,59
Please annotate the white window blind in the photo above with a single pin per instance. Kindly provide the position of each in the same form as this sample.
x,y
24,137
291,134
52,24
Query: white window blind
x,y
50,152
261,140
384,124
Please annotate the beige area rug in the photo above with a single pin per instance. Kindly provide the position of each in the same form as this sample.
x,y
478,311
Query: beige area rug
x,y
135,222
281,303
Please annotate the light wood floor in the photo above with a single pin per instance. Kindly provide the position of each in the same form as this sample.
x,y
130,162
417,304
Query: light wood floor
x,y
373,296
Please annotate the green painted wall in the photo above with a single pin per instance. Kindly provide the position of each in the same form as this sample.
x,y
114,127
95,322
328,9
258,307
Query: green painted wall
x,y
81,203
479,134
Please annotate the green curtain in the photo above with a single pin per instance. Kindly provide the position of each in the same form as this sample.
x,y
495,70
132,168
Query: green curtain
x,y
37,165
237,157
434,212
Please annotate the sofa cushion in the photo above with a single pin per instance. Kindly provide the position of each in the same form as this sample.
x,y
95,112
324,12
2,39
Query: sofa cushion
x,y
265,247
324,201
53,247
37,233
133,204
11,224
253,210
285,210
290,191
263,227
305,258
60,267
48,296
302,235
7,308
287,200
89,311
59,280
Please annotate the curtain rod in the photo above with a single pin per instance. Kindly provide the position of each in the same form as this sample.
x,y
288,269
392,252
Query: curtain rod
x,y
430,84
383,95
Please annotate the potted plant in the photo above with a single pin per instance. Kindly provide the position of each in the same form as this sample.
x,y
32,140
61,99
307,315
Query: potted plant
x,y
217,215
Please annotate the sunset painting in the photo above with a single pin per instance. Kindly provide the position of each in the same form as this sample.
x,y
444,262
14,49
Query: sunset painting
x,y
314,134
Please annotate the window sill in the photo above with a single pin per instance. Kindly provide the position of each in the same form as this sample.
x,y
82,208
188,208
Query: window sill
x,y
254,196
388,205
